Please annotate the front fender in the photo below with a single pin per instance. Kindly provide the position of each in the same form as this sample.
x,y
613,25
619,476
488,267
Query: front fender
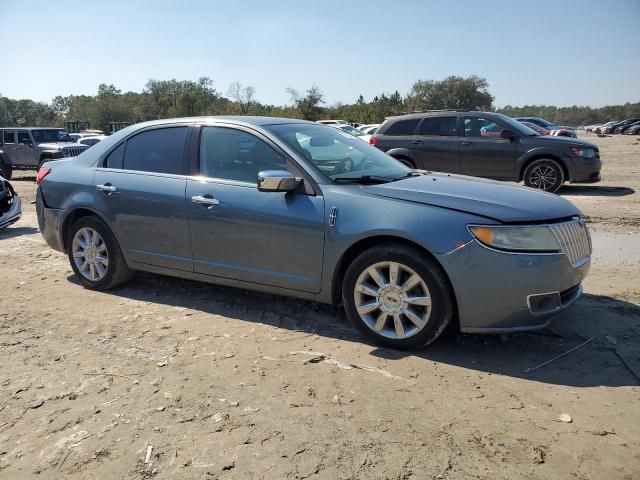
x,y
542,152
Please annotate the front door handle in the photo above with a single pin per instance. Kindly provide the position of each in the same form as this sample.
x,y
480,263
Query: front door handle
x,y
466,144
417,142
206,200
106,188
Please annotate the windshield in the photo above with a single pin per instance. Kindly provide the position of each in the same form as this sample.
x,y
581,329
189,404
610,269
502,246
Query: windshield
x,y
516,126
338,154
51,135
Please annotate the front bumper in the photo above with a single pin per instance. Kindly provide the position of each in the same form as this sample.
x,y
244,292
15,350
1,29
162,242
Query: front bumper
x,y
586,171
499,292
13,214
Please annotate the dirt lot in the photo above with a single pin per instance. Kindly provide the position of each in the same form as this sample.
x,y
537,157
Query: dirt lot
x,y
219,383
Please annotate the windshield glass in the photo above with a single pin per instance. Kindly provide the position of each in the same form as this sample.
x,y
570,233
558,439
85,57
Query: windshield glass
x,y
51,135
338,154
516,126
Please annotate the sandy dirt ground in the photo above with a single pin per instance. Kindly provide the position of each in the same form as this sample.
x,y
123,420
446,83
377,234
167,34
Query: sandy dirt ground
x,y
206,382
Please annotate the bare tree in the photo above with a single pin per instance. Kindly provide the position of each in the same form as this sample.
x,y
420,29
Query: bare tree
x,y
242,95
309,104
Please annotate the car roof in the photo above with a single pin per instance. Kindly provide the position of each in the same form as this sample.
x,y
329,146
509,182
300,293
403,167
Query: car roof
x,y
438,113
231,119
32,128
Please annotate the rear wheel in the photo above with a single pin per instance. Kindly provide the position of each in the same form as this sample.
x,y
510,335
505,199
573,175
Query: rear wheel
x,y
405,161
544,174
95,255
397,296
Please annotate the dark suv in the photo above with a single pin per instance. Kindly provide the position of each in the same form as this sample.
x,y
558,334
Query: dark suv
x,y
487,144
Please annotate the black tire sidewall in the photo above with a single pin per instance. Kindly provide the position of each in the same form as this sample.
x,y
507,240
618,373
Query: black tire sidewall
x,y
442,308
549,162
406,162
117,270
6,170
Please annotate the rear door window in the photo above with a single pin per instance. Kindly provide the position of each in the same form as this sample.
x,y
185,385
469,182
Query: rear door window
x,y
439,126
158,150
403,127
8,137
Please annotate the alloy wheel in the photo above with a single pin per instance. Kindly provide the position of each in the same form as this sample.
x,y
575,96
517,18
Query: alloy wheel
x,y
392,300
543,177
90,254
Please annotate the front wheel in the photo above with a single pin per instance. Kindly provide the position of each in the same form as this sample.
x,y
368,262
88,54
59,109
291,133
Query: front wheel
x,y
397,296
95,255
544,174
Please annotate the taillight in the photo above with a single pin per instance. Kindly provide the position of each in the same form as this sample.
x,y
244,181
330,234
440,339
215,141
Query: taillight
x,y
43,172
373,140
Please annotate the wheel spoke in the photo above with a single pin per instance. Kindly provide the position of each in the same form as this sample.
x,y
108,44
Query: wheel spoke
x,y
78,254
92,271
410,283
415,319
101,248
103,260
393,274
368,307
377,277
83,266
422,301
381,322
366,290
100,270
86,237
397,323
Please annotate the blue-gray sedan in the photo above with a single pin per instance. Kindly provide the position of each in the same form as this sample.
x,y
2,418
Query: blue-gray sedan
x,y
305,210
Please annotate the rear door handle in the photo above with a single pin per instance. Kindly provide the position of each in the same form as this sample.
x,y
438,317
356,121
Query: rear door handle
x,y
417,142
106,188
205,200
466,144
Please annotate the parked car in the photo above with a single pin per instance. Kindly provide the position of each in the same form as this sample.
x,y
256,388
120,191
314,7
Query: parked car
x,y
536,128
620,127
544,123
490,145
90,141
240,201
634,130
601,129
10,206
85,134
29,148
353,131
369,129
333,122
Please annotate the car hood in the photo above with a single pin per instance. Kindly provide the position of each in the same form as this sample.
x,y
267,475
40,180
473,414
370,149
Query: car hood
x,y
503,202
549,139
59,145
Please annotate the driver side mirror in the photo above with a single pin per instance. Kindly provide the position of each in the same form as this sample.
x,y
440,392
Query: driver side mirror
x,y
507,135
277,181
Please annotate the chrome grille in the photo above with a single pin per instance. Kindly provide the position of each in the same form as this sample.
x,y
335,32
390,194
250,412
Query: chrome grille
x,y
574,239
73,151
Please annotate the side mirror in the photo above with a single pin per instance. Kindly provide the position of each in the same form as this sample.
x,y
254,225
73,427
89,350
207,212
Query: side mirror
x,y
507,135
277,181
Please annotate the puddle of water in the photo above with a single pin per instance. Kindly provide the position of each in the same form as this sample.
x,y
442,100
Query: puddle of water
x,y
615,248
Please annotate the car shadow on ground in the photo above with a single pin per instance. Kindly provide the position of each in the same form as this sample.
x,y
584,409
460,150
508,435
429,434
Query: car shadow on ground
x,y
11,232
23,179
611,358
595,191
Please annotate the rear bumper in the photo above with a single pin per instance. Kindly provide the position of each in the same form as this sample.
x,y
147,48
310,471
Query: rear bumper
x,y
499,292
50,223
13,214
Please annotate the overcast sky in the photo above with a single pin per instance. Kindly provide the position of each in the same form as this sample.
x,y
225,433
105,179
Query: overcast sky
x,y
531,52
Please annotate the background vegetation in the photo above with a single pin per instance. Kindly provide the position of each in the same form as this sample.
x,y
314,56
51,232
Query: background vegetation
x,y
179,98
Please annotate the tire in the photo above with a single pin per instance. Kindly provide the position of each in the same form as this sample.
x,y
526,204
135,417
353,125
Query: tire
x,y
544,174
116,271
406,162
6,170
378,324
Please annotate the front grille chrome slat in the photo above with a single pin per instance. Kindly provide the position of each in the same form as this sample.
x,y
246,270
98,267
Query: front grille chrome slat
x,y
73,151
574,240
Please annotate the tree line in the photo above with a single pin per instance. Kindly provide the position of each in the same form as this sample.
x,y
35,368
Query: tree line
x,y
183,98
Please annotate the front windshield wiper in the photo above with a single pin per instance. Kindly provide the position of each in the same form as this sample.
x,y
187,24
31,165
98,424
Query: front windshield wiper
x,y
364,179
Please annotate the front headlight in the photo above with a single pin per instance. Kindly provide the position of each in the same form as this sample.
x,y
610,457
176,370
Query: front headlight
x,y
530,238
583,152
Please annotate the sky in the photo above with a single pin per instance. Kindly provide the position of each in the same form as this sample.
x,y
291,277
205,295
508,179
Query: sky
x,y
563,52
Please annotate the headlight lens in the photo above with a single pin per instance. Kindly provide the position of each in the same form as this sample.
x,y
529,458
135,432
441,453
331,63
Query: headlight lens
x,y
583,152
532,238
